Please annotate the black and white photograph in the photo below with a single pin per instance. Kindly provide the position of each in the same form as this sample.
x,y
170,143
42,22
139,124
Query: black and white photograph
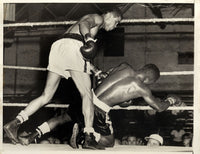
x,y
100,77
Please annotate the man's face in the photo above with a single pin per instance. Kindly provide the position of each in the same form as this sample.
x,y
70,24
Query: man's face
x,y
153,142
131,140
110,21
124,141
148,80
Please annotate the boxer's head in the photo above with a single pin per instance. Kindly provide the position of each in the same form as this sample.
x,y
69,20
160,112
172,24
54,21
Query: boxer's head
x,y
111,19
150,72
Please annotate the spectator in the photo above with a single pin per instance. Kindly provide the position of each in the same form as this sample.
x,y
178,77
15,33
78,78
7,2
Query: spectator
x,y
177,135
187,140
132,140
154,140
139,141
124,140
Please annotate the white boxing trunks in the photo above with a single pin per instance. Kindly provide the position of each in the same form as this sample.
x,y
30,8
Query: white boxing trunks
x,y
65,55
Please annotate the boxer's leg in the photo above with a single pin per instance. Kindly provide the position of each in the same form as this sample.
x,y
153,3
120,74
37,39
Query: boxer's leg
x,y
12,127
105,141
73,140
52,83
83,83
44,128
58,120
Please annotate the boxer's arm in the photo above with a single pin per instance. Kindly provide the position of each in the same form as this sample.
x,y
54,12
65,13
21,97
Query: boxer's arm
x,y
98,21
94,69
97,72
110,70
85,26
89,26
155,103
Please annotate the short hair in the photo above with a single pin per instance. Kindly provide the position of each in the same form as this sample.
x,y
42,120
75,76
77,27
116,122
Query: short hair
x,y
151,69
117,12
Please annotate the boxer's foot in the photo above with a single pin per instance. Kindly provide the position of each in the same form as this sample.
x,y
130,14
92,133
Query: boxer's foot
x,y
73,140
90,143
29,138
11,129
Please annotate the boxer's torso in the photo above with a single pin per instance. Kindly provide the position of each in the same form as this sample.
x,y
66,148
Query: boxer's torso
x,y
120,92
76,29
121,85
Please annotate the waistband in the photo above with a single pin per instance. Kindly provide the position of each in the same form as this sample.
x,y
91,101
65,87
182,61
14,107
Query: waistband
x,y
72,36
100,104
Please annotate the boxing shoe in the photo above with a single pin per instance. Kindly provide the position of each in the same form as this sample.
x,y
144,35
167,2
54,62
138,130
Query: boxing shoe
x,y
29,138
90,143
11,129
73,140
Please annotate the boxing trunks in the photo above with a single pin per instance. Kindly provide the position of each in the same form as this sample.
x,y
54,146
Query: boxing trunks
x,y
65,55
102,123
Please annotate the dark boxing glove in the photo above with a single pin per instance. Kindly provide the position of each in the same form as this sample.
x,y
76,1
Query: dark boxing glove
x,y
89,49
100,76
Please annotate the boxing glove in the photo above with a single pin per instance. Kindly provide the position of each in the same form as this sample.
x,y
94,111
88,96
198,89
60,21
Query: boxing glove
x,y
174,100
89,49
100,76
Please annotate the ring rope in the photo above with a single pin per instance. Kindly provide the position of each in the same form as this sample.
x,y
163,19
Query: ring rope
x,y
25,68
154,20
149,108
114,108
177,73
44,69
48,105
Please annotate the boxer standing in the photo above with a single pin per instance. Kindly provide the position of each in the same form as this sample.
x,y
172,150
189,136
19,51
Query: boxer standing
x,y
70,57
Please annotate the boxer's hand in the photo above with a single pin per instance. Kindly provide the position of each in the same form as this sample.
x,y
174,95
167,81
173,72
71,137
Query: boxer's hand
x,y
89,49
174,100
100,77
176,112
